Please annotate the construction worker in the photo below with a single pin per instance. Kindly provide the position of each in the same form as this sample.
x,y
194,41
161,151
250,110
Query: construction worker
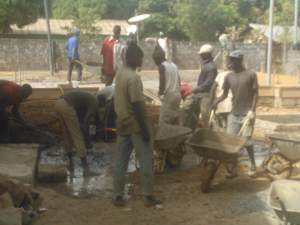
x,y
198,102
112,51
11,96
169,88
244,87
224,107
170,96
77,110
72,48
132,128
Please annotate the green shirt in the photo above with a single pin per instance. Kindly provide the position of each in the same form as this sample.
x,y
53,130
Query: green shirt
x,y
128,90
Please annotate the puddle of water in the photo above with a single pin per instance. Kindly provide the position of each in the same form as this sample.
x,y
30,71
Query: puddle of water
x,y
100,160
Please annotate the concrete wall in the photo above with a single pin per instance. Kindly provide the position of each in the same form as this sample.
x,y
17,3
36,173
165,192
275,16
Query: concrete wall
x,y
31,54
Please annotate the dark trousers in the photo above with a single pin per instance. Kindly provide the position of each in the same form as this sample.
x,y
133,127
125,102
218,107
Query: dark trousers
x,y
4,129
71,64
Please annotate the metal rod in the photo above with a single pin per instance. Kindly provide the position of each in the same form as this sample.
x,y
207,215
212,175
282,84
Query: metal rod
x,y
49,37
270,43
296,22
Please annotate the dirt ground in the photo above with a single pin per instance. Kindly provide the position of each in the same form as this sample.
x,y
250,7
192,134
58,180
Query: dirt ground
x,y
240,201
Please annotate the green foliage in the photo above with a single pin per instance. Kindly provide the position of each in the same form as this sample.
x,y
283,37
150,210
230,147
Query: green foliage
x,y
84,13
179,19
120,9
19,12
164,17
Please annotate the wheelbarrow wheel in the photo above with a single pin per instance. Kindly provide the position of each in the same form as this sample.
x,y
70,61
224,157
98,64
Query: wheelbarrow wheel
x,y
209,173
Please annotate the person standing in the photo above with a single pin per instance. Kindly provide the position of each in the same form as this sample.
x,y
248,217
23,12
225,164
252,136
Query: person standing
x,y
224,107
132,129
244,87
77,110
163,43
198,101
11,95
169,88
72,48
112,51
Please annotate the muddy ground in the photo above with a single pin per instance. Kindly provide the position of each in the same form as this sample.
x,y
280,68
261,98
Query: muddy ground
x,y
240,201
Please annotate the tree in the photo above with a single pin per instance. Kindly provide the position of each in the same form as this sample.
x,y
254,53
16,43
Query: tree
x,y
163,18
19,12
120,9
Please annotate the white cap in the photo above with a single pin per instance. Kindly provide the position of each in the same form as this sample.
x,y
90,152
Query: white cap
x,y
207,48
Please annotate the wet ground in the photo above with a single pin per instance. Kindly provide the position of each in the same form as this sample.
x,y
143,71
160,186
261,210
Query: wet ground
x,y
240,201
101,158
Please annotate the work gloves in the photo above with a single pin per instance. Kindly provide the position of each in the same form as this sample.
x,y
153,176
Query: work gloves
x,y
250,115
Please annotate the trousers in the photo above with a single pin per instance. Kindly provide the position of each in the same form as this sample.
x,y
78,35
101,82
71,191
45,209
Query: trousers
x,y
72,133
125,146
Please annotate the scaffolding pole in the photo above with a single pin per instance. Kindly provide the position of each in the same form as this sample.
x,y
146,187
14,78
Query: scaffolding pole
x,y
270,44
296,22
49,37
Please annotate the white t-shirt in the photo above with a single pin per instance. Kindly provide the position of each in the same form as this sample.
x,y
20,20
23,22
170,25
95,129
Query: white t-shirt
x,y
226,105
163,44
172,78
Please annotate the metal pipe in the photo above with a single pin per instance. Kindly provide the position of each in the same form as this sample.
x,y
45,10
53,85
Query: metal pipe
x,y
270,43
296,22
49,37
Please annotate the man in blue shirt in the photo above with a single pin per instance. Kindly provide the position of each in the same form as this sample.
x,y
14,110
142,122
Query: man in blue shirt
x,y
73,55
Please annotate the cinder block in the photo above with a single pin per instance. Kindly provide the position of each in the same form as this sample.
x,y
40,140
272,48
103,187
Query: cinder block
x,y
289,103
52,173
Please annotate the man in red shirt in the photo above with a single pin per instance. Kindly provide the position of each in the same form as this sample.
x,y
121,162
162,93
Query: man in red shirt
x,y
11,95
112,48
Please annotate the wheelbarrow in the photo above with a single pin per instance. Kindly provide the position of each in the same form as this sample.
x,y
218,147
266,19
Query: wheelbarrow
x,y
215,148
284,199
280,165
169,145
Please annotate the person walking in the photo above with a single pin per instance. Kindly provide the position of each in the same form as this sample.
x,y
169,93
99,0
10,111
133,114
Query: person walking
x,y
244,87
72,48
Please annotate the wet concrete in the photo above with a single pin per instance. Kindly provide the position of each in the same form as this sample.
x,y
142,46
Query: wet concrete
x,y
101,159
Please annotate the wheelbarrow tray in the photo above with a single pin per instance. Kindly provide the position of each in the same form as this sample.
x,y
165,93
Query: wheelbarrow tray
x,y
170,136
288,145
284,199
216,145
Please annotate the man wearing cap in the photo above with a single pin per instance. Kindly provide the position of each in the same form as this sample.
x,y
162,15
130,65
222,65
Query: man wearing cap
x,y
72,48
244,87
198,102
